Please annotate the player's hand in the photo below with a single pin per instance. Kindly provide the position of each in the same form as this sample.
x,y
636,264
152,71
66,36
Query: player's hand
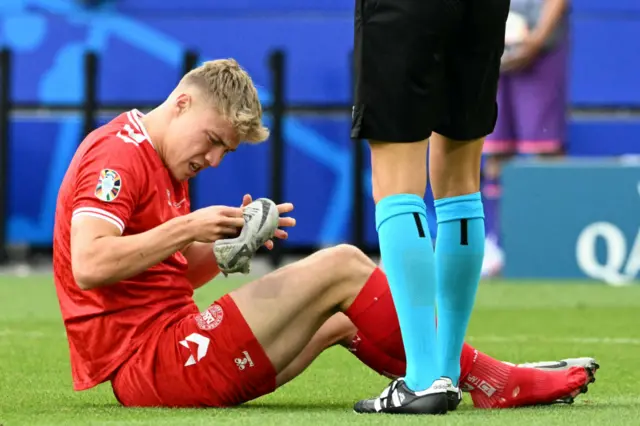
x,y
284,222
217,223
522,57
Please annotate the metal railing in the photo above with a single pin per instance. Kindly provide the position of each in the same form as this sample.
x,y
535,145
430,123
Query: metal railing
x,y
278,108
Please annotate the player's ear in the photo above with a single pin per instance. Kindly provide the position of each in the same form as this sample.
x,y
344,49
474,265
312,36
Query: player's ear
x,y
183,103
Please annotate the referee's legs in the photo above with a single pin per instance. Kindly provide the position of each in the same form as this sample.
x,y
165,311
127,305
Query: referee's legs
x,y
454,168
400,78
399,182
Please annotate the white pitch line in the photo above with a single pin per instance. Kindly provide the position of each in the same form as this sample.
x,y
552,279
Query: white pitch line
x,y
565,340
26,334
480,339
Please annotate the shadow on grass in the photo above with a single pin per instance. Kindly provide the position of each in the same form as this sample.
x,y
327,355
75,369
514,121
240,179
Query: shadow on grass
x,y
346,406
296,406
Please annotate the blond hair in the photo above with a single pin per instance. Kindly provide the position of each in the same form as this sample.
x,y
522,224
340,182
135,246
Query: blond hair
x,y
234,96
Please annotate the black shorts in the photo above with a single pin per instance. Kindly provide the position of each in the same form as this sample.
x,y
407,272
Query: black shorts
x,y
427,65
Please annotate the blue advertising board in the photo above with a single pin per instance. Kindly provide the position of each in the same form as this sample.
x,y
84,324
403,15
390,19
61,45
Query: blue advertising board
x,y
572,219
141,45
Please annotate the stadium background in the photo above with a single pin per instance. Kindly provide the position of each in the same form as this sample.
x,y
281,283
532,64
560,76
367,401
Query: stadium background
x,y
574,218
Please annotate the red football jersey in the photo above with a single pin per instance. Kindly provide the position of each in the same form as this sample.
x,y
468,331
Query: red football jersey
x,y
116,175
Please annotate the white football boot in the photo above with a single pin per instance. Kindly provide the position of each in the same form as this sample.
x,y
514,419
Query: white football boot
x,y
260,224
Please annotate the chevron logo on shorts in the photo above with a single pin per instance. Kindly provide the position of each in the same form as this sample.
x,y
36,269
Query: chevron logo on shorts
x,y
202,344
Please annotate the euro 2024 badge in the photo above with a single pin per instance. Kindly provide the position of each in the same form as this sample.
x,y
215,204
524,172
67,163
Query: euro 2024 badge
x,y
109,185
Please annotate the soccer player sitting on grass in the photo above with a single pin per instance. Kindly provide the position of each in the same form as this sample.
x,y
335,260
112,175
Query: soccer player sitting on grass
x,y
128,254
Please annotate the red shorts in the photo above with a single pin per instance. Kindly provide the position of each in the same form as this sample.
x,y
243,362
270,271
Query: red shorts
x,y
208,359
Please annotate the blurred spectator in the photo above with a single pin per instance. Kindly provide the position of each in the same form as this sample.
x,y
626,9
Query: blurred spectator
x,y
531,101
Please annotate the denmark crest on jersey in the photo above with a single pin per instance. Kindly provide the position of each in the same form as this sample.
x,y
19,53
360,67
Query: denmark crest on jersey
x,y
109,184
211,318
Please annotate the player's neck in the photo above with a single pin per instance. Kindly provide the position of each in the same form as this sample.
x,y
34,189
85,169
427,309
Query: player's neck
x,y
153,123
148,121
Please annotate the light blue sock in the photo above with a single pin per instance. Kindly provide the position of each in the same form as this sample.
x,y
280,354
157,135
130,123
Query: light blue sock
x,y
407,254
459,254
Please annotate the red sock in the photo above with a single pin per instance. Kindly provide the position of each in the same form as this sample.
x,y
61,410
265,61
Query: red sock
x,y
376,359
374,314
467,359
494,384
383,364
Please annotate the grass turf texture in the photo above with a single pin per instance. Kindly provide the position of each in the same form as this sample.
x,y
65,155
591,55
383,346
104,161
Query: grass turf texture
x,y
524,321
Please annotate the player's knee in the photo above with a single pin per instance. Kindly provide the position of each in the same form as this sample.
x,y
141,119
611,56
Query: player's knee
x,y
350,263
337,330
341,271
351,257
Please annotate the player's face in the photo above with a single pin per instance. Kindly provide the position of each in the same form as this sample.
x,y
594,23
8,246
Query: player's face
x,y
198,137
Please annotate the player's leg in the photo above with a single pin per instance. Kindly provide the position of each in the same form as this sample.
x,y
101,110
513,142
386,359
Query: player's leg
x,y
285,308
336,329
399,75
288,307
340,330
473,64
493,383
258,330
489,381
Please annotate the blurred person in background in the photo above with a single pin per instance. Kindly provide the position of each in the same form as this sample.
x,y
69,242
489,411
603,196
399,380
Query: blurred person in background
x,y
532,102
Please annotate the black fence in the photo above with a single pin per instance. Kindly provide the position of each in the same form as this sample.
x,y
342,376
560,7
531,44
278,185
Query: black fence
x,y
278,109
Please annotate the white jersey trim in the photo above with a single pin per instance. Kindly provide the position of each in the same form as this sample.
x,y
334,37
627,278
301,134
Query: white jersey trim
x,y
100,214
134,117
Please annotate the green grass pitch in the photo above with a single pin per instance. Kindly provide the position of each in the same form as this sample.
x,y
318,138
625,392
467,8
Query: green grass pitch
x,y
524,321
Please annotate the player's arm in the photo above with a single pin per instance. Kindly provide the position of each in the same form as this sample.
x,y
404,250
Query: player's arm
x,y
552,12
202,263
112,183
100,256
